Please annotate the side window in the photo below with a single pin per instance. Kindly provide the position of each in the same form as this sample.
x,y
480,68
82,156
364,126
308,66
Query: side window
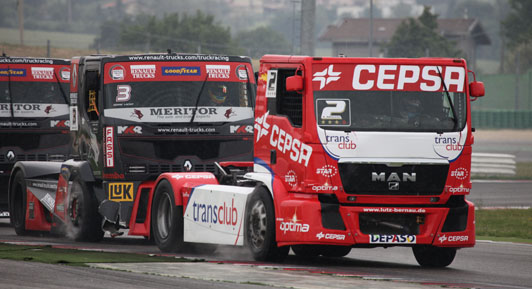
x,y
286,103
91,95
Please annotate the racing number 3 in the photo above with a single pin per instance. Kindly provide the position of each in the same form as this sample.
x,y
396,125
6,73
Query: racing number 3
x,y
123,93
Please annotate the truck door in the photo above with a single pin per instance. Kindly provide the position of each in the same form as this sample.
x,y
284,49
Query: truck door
x,y
90,134
282,148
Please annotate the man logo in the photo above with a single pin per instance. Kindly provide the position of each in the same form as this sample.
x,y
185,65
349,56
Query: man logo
x,y
187,165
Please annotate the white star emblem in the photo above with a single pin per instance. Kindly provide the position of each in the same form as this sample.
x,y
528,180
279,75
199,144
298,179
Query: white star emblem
x,y
262,126
326,76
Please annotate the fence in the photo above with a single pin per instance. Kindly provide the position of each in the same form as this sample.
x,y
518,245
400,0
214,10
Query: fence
x,y
511,119
493,164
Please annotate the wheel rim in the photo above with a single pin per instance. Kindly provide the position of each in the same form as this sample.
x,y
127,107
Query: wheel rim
x,y
258,224
164,216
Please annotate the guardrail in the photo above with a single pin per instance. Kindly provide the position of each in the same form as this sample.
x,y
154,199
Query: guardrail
x,y
493,164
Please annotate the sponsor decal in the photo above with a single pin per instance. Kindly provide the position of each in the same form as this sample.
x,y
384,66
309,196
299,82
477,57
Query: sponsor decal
x,y
120,192
18,124
117,72
49,108
271,84
222,213
328,236
333,112
343,142
113,176
193,177
394,210
181,70
13,72
218,71
60,123
326,76
392,239
183,111
10,155
241,72
64,73
42,72
460,174
407,77
131,129
444,238
143,71
109,147
450,143
294,226
74,76
393,177
283,141
291,178
137,113
460,189
241,129
327,171
186,130
229,113
324,187
73,118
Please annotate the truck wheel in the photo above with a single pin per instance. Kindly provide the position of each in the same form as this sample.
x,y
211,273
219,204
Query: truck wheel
x,y
431,256
335,251
259,228
167,219
18,204
83,222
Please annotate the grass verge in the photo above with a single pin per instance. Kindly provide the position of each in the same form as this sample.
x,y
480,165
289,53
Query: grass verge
x,y
47,254
512,225
523,171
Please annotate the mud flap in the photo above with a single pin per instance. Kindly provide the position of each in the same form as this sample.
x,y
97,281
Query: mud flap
x,y
215,214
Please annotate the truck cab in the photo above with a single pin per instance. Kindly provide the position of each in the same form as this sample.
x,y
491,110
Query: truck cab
x,y
33,114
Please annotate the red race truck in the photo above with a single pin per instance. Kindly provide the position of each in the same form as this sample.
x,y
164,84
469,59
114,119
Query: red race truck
x,y
33,114
348,152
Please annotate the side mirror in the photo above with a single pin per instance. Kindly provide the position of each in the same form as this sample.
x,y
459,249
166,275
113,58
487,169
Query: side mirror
x,y
294,83
476,89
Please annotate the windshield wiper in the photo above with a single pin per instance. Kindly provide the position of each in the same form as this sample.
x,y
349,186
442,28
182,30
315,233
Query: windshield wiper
x,y
60,88
198,98
455,118
9,91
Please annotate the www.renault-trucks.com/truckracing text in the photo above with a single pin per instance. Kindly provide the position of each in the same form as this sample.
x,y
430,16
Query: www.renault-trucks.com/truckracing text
x,y
33,114
132,119
348,152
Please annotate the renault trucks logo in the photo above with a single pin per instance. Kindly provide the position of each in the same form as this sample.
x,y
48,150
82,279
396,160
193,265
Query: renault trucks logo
x,y
42,72
393,179
326,76
143,71
10,156
218,71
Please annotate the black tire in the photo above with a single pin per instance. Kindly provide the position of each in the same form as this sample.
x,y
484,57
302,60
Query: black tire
x,y
307,251
166,219
435,257
83,222
335,251
259,228
18,204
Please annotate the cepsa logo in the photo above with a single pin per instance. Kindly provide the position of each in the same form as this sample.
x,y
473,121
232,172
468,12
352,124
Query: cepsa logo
x,y
143,71
444,238
392,239
408,77
109,147
283,141
215,214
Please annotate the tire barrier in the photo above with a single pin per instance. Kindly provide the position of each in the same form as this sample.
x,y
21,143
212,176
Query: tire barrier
x,y
493,164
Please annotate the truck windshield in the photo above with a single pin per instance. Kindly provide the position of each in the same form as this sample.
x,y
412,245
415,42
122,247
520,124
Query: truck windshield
x,y
390,110
29,93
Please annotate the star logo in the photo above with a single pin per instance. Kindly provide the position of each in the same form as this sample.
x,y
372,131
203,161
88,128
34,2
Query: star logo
x,y
262,126
326,76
